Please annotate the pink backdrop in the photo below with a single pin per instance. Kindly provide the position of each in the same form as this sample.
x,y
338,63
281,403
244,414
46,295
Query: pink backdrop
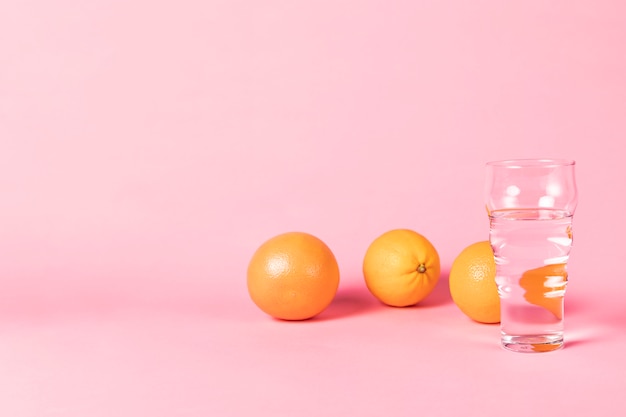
x,y
147,149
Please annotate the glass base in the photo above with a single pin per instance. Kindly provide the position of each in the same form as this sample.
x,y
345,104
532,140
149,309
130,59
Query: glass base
x,y
532,343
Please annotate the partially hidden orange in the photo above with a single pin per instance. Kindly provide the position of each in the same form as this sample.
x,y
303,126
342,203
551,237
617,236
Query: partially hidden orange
x,y
293,276
545,287
401,268
473,283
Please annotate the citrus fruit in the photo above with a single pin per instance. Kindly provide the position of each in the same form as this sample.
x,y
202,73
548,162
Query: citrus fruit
x,y
545,287
473,283
401,267
293,276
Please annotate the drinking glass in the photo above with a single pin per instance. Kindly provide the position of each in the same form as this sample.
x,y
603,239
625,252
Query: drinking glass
x,y
531,204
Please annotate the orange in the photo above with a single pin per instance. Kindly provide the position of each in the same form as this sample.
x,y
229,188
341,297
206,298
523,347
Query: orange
x,y
293,276
401,268
473,283
545,287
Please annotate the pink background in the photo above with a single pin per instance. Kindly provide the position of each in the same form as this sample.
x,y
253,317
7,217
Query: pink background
x,y
148,147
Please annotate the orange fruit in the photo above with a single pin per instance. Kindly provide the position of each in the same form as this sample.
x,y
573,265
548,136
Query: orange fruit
x,y
545,287
293,276
401,268
473,283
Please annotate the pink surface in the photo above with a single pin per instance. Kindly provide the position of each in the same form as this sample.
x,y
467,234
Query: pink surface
x,y
148,148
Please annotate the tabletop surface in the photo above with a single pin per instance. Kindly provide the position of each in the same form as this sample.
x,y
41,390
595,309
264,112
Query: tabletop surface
x,y
219,355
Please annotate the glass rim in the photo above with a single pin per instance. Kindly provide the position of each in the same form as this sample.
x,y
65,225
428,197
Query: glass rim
x,y
527,163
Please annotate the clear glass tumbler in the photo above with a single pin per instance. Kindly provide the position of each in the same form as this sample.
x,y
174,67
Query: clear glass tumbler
x,y
531,203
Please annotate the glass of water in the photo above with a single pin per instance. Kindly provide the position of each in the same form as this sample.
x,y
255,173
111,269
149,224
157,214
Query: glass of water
x,y
531,203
